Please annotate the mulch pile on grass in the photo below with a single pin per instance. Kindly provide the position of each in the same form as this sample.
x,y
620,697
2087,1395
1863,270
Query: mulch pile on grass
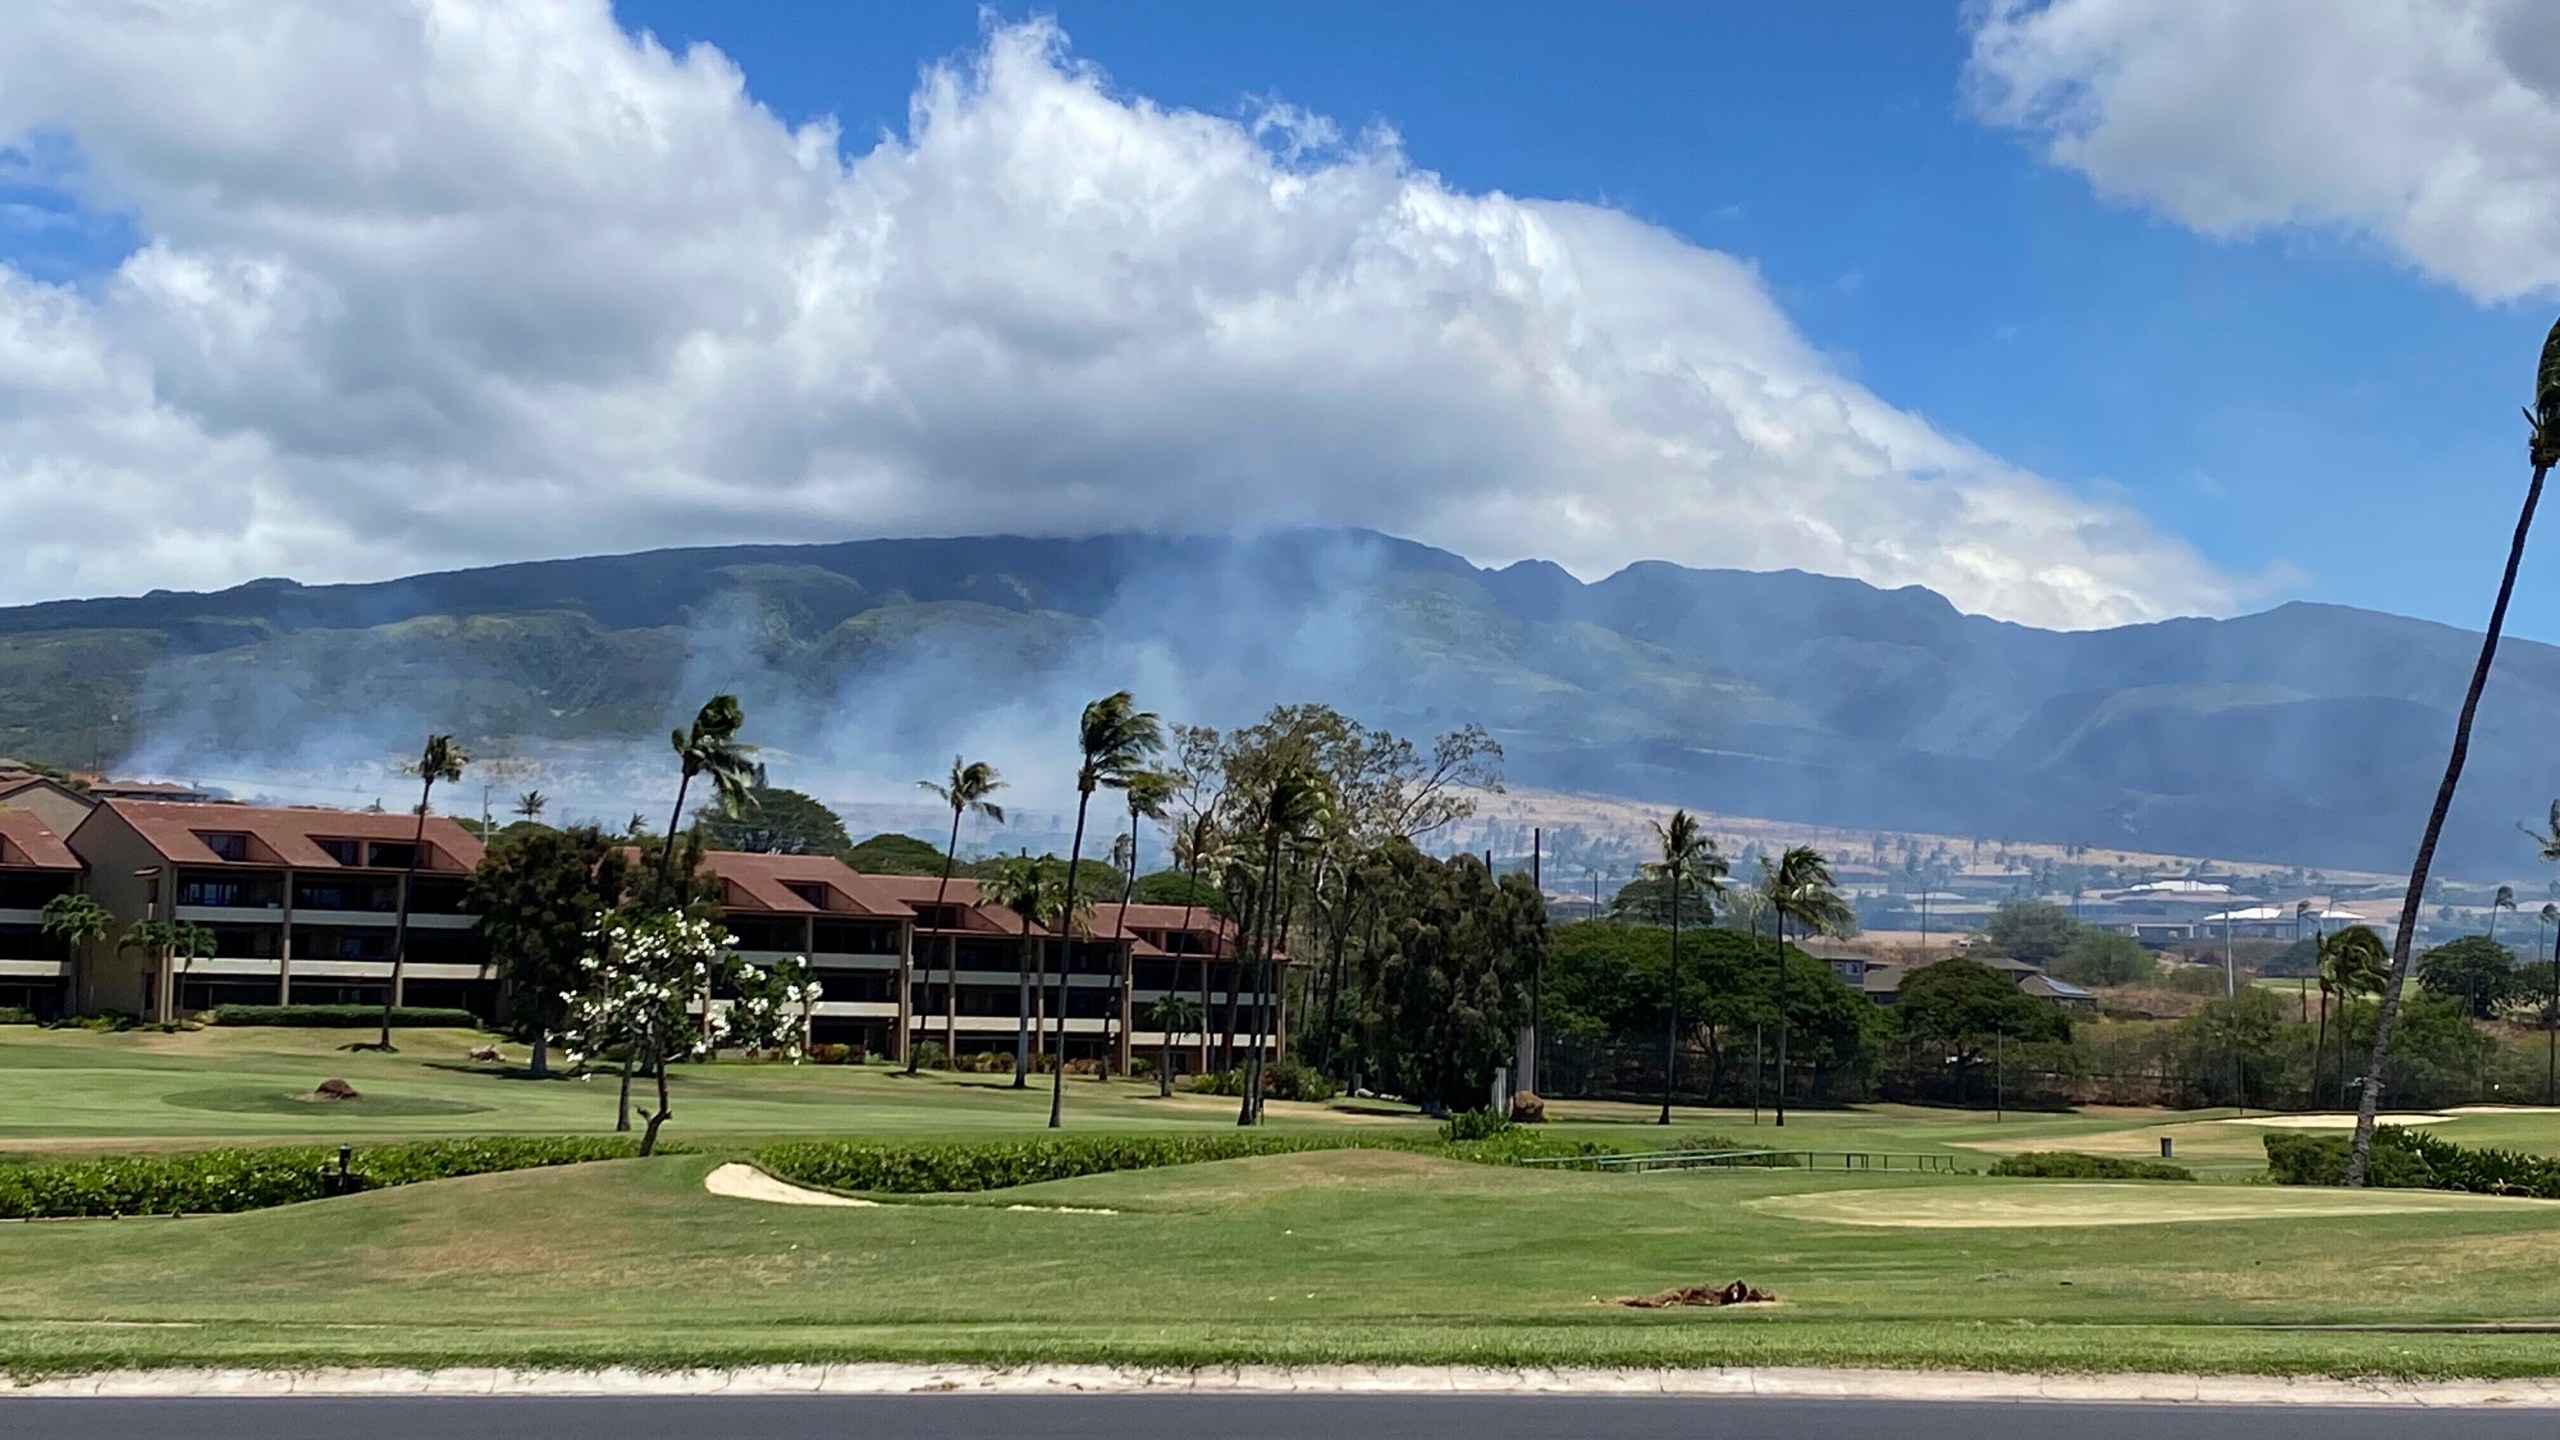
x,y
1736,1293
335,1090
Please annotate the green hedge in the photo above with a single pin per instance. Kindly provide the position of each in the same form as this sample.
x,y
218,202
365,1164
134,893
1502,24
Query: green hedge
x,y
943,1169
213,1182
2072,1165
345,1017
2406,1159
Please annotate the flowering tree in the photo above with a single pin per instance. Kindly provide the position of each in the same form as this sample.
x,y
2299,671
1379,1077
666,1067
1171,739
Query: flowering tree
x,y
638,984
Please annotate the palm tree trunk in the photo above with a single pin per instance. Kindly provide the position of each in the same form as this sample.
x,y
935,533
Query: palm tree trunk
x,y
400,922
1671,1036
1782,1020
657,1117
941,897
2320,1045
1022,1011
1333,994
1123,967
2387,1018
667,856
1247,1111
1066,961
1190,894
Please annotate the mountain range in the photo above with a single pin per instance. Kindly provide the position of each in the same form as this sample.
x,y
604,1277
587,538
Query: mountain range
x,y
2308,733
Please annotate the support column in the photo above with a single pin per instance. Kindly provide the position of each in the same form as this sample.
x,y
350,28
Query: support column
x,y
1128,979
906,992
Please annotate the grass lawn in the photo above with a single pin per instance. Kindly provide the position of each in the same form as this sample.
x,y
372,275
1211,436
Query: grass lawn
x,y
1328,1256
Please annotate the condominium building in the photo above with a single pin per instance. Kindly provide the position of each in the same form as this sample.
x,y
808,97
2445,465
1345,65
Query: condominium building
x,y
300,903
35,866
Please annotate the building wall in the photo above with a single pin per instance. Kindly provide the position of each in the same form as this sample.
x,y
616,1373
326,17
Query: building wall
x,y
111,978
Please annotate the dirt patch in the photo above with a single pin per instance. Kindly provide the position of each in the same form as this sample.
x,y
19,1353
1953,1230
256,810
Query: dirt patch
x,y
1737,1293
2326,1122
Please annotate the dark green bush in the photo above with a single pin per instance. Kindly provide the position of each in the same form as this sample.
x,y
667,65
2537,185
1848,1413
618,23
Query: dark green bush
x,y
344,1017
2406,1159
2072,1165
946,1169
1283,1079
214,1182
16,1015
1475,1125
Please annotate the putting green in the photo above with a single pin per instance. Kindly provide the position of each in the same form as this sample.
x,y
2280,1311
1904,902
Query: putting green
x,y
257,1100
2055,1205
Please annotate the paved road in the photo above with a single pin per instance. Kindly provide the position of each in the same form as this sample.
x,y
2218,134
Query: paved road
x,y
1172,1417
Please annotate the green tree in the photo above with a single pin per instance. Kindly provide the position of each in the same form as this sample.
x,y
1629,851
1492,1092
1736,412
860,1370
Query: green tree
x,y
1114,740
2542,449
772,820
896,855
171,947
1022,885
439,759
2035,931
1446,989
2104,957
1798,890
2352,963
711,748
79,922
1172,1015
1685,857
964,792
2474,970
1148,792
1967,1008
1295,806
2230,1048
538,896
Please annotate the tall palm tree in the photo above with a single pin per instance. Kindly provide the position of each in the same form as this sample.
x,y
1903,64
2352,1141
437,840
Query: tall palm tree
x,y
2505,899
1172,1015
1148,792
531,804
2543,450
1195,846
1799,889
1295,804
1688,857
2351,963
439,759
1018,883
2546,845
710,748
79,922
966,792
1115,740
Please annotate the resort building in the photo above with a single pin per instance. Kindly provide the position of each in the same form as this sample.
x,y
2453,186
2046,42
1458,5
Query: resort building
x,y
35,866
300,904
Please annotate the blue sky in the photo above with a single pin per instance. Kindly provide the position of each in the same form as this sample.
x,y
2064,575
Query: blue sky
x,y
374,296
2303,405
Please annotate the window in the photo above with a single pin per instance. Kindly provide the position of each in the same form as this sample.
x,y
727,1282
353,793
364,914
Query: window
x,y
854,937
225,845
230,890
814,894
345,852
393,854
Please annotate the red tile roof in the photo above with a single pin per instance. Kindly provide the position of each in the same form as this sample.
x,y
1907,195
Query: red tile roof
x,y
288,835
26,844
763,882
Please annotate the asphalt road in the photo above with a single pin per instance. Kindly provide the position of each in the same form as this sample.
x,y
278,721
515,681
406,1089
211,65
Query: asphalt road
x,y
1260,1417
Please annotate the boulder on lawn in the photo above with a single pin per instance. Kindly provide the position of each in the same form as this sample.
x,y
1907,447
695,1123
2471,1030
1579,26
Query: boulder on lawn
x,y
487,1052
1528,1109
335,1090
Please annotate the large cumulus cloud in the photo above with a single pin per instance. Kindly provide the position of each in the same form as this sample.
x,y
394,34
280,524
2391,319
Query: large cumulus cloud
x,y
2430,126
449,281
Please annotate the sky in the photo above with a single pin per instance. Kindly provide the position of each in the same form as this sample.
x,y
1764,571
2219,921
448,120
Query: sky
x,y
2080,312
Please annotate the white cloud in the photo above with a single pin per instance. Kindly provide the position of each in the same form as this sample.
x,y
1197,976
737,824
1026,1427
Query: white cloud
x,y
448,282
2431,126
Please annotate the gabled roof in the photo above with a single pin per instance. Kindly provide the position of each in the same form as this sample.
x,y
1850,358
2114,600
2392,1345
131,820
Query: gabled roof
x,y
25,844
763,882
286,835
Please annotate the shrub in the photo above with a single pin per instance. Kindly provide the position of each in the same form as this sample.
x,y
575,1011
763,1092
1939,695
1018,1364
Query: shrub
x,y
344,1017
930,1169
16,1015
213,1182
931,1056
2405,1159
833,1055
1468,1125
1282,1079
2072,1165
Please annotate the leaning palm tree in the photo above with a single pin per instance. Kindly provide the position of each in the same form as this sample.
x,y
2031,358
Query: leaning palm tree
x,y
1688,857
1295,805
966,792
441,759
1798,888
1115,739
2351,962
2505,899
2542,448
710,748
1171,1015
79,922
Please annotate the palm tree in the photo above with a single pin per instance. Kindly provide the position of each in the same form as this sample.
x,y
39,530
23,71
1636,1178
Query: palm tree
x,y
1115,739
710,748
1688,857
1294,805
1018,883
163,943
1799,888
1148,792
78,922
2543,450
1171,1015
966,792
2351,963
1194,845
2504,900
441,759
531,804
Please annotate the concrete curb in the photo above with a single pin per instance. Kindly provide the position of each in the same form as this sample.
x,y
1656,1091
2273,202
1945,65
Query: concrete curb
x,y
887,1379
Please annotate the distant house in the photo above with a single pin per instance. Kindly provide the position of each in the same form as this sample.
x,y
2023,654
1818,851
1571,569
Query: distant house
x,y
1882,981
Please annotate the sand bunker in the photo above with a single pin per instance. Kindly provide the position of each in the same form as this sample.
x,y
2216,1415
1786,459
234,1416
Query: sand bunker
x,y
746,1182
2051,1206
1064,1209
2326,1122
